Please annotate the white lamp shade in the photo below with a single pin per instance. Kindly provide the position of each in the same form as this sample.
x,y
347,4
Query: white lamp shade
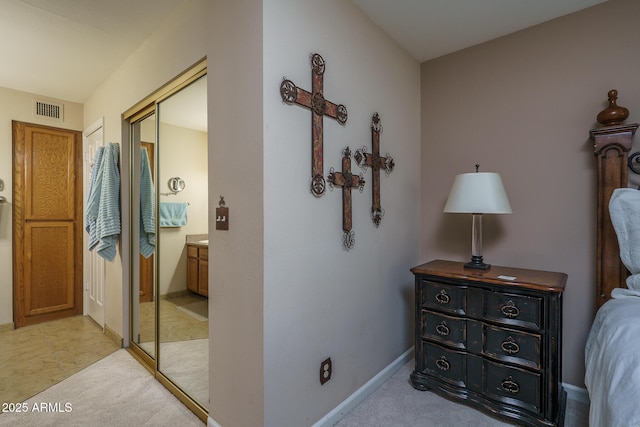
x,y
478,192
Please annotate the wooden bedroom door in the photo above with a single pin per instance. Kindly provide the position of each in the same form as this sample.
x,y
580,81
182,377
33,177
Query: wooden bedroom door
x,y
47,223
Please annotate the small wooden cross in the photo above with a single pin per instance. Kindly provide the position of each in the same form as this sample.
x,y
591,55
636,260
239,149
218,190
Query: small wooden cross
x,y
347,181
320,107
373,160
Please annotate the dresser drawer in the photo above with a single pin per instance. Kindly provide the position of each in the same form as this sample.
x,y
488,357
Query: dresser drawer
x,y
513,346
509,385
513,386
517,310
448,330
447,365
443,297
502,344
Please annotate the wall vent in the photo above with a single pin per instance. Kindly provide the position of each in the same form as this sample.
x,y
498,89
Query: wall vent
x,y
48,110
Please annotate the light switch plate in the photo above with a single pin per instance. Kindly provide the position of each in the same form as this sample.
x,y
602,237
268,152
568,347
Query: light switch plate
x,y
222,218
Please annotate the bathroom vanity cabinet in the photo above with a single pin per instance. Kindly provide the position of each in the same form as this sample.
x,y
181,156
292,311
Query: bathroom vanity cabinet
x,y
198,269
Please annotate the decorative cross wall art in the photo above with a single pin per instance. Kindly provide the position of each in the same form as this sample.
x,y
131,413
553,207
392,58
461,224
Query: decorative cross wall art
x,y
347,181
375,162
320,107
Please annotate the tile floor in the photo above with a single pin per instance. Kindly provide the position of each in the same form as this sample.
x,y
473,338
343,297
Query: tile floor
x,y
175,325
36,357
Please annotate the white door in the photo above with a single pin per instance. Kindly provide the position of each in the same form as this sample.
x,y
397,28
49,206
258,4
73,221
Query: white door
x,y
94,265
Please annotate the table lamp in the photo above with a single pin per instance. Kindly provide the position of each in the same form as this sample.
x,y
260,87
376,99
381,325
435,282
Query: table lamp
x,y
477,193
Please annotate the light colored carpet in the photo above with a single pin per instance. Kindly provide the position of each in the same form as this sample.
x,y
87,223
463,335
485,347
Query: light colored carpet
x,y
198,310
396,403
186,363
115,391
118,391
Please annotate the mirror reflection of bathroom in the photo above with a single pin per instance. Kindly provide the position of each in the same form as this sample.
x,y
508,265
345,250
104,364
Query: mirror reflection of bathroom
x,y
183,240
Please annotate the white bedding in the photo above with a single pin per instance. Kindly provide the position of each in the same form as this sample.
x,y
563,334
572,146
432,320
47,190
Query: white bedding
x,y
612,359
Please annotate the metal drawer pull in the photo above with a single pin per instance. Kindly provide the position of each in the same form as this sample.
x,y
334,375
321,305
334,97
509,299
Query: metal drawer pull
x,y
443,364
510,346
510,310
510,386
442,297
442,329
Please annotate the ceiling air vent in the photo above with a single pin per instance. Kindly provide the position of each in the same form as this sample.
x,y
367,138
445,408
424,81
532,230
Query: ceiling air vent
x,y
48,110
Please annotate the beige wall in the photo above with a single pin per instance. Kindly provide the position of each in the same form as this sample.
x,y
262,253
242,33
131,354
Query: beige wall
x,y
17,105
523,106
236,256
319,300
287,295
168,52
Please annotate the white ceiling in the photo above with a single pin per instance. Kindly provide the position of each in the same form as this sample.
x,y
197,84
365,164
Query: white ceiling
x,y
65,48
428,29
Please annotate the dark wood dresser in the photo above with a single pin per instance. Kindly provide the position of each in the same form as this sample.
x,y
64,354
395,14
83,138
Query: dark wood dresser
x,y
491,338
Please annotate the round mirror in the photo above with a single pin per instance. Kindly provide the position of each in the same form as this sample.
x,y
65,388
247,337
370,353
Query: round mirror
x,y
176,184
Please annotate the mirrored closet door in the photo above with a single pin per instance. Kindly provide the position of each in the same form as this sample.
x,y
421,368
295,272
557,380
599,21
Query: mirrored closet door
x,y
183,326
143,289
169,239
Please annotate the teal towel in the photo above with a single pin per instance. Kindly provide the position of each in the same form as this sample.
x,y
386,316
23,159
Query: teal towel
x,y
147,207
173,214
93,200
103,206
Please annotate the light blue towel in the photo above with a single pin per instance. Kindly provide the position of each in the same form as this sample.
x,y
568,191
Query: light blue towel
x,y
173,214
147,207
103,206
108,222
93,200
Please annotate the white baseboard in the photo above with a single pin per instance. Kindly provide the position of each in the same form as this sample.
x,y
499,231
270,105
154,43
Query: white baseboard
x,y
577,393
339,412
357,397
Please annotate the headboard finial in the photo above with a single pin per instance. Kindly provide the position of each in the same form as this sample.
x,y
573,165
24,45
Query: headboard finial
x,y
613,115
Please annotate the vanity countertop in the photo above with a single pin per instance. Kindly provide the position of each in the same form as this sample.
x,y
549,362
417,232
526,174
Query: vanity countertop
x,y
199,240
199,243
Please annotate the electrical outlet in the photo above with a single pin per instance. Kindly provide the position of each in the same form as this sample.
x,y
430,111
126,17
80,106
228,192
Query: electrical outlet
x,y
325,371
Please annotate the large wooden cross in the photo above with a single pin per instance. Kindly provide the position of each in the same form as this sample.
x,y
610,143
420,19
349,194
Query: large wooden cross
x,y
320,107
347,181
375,162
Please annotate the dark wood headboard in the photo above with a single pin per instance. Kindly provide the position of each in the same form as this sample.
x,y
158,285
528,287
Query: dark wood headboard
x,y
612,144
